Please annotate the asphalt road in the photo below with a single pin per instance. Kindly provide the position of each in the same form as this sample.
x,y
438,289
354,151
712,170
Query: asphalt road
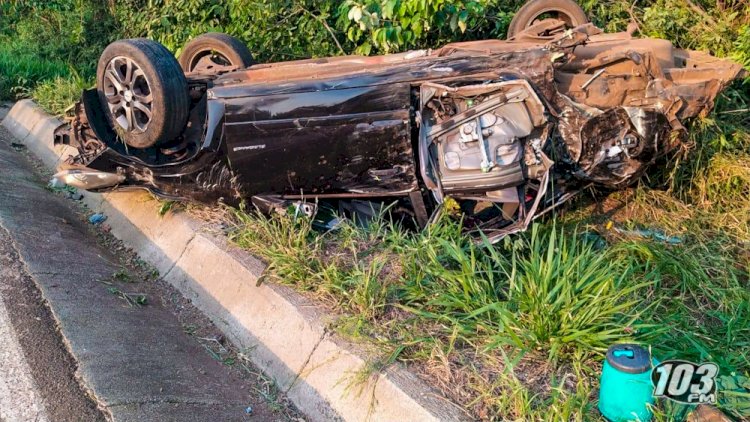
x,y
74,345
19,397
37,374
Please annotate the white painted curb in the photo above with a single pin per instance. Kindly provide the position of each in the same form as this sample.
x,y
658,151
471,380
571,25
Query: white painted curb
x,y
283,333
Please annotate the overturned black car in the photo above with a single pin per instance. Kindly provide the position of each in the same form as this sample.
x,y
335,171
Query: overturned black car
x,y
509,129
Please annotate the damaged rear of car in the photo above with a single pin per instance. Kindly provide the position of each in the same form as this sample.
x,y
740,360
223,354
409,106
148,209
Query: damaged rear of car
x,y
508,129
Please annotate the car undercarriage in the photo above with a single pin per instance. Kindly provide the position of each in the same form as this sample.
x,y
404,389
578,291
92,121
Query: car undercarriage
x,y
508,129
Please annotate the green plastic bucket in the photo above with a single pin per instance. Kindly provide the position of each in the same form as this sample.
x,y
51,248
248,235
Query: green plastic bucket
x,y
625,387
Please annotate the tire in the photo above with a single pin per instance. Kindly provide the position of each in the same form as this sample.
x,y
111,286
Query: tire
x,y
221,49
566,10
156,83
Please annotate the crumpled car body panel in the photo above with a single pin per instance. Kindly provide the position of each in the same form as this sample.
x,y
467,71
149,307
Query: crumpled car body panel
x,y
521,125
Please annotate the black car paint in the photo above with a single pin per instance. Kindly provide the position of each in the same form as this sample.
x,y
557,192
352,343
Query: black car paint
x,y
343,136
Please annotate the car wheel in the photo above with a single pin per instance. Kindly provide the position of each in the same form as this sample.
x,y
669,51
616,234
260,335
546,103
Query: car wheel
x,y
143,92
214,51
534,11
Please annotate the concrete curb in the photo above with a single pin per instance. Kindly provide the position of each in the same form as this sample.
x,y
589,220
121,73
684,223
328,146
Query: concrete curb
x,y
284,334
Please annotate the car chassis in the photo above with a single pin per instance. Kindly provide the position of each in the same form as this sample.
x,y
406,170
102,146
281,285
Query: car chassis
x,y
509,129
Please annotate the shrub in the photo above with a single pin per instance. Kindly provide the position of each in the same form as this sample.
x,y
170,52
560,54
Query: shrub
x,y
392,25
69,31
274,29
56,95
44,40
19,72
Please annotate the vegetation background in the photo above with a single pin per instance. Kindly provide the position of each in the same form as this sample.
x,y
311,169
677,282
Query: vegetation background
x,y
513,331
44,39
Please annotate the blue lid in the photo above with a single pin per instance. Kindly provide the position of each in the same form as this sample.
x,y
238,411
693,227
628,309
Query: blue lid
x,y
629,358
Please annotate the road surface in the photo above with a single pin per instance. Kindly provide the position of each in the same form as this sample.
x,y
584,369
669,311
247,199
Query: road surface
x,y
77,343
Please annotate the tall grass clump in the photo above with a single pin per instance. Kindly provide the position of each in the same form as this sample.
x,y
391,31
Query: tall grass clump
x,y
350,269
550,297
552,291
517,328
56,95
288,243
20,72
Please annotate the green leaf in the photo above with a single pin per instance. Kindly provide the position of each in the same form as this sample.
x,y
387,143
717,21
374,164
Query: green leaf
x,y
355,13
387,10
365,48
462,20
416,28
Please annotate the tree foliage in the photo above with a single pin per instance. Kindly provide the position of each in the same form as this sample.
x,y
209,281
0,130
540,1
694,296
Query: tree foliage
x,y
392,25
70,31
275,29
74,32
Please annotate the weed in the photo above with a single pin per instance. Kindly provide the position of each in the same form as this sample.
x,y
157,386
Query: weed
x,y
20,71
551,292
58,94
165,207
266,388
528,319
122,275
190,329
134,300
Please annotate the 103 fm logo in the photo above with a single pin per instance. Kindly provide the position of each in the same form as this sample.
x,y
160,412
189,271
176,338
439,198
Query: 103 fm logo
x,y
685,382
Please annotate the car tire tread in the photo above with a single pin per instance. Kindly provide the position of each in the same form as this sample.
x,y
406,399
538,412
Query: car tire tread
x,y
532,8
171,101
230,47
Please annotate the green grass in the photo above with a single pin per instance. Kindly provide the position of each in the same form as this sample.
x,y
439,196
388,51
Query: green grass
x,y
20,72
533,294
518,329
56,95
54,85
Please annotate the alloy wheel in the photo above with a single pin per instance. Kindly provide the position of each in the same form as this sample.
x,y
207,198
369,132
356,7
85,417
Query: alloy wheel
x,y
128,94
